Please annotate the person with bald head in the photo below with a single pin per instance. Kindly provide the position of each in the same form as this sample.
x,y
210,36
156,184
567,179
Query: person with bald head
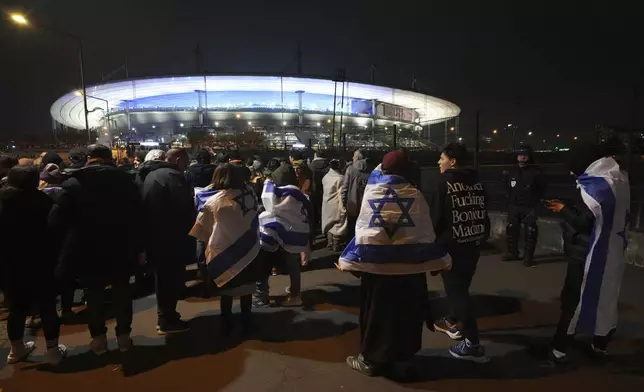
x,y
170,214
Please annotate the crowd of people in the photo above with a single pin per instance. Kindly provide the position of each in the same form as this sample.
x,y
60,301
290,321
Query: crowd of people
x,y
240,220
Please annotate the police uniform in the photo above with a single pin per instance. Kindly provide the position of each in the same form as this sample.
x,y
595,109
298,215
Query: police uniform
x,y
525,189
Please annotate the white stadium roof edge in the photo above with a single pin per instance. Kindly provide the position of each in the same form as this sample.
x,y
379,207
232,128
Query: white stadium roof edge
x,y
68,109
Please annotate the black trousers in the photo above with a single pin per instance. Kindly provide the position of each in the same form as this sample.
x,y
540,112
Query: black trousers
x,y
570,294
169,285
22,302
392,312
122,305
457,283
516,216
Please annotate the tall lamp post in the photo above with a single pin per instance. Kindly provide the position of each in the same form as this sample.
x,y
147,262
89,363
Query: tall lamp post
x,y
22,20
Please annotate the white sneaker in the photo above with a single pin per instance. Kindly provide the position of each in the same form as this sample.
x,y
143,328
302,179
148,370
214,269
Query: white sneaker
x,y
21,353
99,345
125,343
55,354
293,301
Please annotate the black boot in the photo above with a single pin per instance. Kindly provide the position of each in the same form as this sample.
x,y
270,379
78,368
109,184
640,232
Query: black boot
x,y
512,234
531,236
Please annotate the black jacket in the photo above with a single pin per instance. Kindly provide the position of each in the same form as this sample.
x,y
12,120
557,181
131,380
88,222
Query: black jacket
x,y
96,218
458,208
169,209
524,185
319,168
576,227
200,175
28,255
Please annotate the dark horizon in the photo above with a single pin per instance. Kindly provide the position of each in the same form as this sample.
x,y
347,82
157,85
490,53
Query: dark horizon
x,y
559,69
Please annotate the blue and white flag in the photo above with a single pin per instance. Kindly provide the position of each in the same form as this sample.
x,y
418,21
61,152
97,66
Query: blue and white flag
x,y
202,195
286,220
394,232
606,191
228,225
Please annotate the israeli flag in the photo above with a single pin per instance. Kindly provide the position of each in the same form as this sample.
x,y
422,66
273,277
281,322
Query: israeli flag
x,y
394,232
606,191
202,195
286,219
228,225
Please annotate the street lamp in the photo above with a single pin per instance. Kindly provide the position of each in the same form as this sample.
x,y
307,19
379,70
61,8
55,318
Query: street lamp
x,y
21,20
452,129
495,132
530,133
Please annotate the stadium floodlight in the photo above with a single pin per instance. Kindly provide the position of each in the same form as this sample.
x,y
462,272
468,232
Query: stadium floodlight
x,y
318,124
250,123
19,19
284,123
216,124
181,125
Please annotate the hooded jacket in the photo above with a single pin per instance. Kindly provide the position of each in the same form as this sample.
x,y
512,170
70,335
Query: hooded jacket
x,y
199,175
169,211
96,218
458,209
319,168
353,185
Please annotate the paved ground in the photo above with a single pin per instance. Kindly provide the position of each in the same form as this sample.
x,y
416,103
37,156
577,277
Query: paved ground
x,y
304,349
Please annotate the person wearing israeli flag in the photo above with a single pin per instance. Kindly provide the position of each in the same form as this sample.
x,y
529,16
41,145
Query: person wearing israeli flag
x,y
285,227
595,236
392,250
227,224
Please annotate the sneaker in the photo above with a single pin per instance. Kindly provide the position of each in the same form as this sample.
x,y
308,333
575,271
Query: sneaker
x,y
467,351
287,290
597,354
358,363
448,328
98,345
55,355
171,327
124,342
261,303
557,358
21,353
293,301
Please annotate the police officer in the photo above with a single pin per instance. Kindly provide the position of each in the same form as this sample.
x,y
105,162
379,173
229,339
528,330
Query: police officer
x,y
525,188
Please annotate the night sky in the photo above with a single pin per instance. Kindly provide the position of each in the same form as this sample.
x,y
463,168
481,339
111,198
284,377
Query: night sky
x,y
551,67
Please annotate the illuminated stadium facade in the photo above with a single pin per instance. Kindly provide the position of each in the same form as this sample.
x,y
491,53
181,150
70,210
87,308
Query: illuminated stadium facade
x,y
287,111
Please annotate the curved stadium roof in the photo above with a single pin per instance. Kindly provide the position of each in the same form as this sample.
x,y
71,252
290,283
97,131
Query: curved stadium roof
x,y
243,93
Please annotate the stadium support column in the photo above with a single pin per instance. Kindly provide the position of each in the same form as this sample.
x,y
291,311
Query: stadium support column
x,y
127,115
373,123
200,95
395,134
300,117
445,132
335,97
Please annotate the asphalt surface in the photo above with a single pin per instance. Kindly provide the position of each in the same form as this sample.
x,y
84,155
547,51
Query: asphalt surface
x,y
304,349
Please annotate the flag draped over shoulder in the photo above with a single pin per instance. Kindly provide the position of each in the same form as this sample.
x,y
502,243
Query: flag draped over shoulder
x,y
606,191
286,219
202,195
227,223
394,232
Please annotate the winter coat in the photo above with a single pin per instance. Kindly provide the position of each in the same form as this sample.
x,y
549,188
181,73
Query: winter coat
x,y
334,217
28,252
199,175
353,185
168,207
97,216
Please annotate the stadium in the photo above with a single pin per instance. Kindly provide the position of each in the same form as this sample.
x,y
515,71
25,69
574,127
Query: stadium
x,y
274,111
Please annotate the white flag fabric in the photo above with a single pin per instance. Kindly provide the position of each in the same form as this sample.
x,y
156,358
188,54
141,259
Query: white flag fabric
x,y
227,223
606,191
394,232
286,219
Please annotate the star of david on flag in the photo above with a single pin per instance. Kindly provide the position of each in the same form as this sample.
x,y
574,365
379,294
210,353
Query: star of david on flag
x,y
404,219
